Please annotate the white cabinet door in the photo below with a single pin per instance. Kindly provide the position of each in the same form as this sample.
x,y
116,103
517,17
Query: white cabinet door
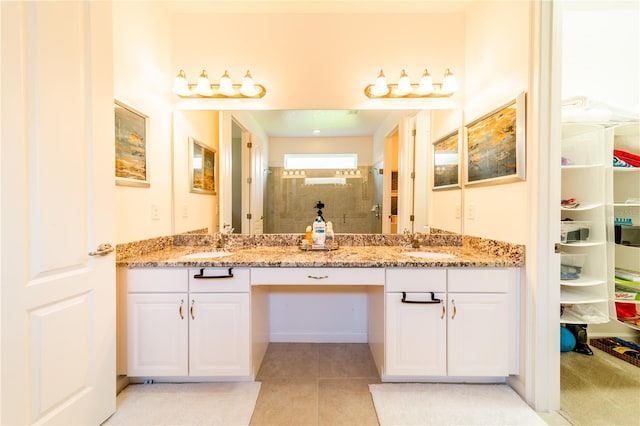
x,y
158,334
478,334
219,334
416,339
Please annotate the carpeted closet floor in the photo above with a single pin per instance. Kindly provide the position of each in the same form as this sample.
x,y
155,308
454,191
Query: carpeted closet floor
x,y
599,389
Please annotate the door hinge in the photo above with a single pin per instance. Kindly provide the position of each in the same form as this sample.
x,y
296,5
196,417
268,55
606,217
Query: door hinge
x,y
249,145
413,132
249,216
411,218
413,175
249,180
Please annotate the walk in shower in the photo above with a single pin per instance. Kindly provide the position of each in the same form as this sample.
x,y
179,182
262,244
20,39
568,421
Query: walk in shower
x,y
350,198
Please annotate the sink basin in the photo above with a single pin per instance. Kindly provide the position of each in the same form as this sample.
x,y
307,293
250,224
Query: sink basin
x,y
428,255
207,255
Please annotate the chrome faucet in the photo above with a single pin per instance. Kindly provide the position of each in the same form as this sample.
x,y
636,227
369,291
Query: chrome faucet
x,y
223,236
414,241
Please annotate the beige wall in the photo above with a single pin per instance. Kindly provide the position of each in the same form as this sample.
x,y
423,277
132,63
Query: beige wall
x,y
318,60
497,50
194,210
361,145
141,79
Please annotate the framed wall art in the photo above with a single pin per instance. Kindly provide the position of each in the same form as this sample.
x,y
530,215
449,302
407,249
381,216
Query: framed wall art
x,y
202,167
446,162
495,145
131,146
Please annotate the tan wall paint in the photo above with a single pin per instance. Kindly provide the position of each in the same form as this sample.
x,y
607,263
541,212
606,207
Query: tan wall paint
x,y
141,49
321,60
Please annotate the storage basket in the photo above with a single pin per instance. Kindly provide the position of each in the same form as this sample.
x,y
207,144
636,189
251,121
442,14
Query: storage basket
x,y
572,231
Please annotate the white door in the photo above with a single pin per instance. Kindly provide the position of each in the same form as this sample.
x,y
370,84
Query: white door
x,y
57,301
247,182
416,336
219,334
157,334
478,330
406,174
257,187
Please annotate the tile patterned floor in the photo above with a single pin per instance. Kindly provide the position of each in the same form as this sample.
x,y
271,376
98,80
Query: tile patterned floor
x,y
316,384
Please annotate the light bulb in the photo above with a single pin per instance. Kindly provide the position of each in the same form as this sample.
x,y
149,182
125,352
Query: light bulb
x,y
426,84
226,87
449,83
204,85
180,85
404,85
380,88
248,88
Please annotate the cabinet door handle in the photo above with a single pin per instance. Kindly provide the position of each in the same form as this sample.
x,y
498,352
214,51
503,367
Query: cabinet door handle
x,y
455,310
202,276
432,301
324,277
191,309
180,309
443,311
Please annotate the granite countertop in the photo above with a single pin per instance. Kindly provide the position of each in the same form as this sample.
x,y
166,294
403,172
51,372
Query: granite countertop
x,y
465,256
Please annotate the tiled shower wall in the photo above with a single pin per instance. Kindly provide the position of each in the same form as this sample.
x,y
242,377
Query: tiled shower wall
x,y
290,202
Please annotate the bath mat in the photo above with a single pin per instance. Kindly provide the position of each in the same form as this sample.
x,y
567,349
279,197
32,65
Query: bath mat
x,y
228,404
450,404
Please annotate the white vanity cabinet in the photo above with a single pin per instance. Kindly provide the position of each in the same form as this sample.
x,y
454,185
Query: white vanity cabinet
x,y
455,323
219,318
479,321
416,331
187,322
157,327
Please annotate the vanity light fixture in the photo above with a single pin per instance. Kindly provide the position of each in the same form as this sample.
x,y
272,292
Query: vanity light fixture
x,y
224,89
349,173
426,88
292,173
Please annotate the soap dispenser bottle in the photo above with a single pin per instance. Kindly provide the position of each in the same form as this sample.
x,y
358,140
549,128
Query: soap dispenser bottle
x,y
318,232
328,239
307,235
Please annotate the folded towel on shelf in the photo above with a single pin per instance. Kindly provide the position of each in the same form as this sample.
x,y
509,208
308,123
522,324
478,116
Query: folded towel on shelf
x,y
629,158
617,162
583,109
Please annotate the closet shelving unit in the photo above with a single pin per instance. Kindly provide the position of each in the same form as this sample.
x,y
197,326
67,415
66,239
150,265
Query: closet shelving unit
x,y
586,255
626,208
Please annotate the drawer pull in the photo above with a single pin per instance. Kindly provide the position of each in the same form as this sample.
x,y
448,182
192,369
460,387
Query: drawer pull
x,y
324,277
202,276
432,301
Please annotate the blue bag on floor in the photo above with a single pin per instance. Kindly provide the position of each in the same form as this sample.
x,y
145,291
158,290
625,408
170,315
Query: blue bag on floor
x,y
567,340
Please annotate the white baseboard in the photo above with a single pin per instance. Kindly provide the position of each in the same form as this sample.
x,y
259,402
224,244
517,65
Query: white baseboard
x,y
318,337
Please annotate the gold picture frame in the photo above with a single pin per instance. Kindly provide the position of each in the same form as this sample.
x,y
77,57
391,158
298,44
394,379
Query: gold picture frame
x,y
132,167
202,167
495,145
446,162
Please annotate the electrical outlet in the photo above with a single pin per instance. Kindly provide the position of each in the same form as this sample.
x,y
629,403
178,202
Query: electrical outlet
x,y
471,211
155,212
458,211
185,211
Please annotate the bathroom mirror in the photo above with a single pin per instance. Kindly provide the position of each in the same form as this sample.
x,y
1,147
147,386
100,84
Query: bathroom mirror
x,y
279,163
